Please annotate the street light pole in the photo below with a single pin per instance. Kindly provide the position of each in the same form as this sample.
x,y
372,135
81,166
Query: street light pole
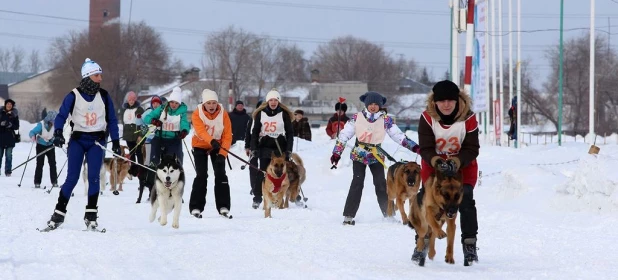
x,y
560,73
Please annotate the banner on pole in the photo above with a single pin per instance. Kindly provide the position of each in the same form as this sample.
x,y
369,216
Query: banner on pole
x,y
479,59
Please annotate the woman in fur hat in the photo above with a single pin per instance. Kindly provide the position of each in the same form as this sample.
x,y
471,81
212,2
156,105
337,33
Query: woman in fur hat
x,y
448,134
337,121
272,131
370,126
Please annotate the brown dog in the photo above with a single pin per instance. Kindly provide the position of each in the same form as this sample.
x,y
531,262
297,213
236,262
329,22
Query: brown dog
x,y
297,175
275,184
437,203
402,183
121,171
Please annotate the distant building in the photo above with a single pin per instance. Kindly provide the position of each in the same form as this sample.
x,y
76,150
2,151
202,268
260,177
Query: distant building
x,y
30,94
101,12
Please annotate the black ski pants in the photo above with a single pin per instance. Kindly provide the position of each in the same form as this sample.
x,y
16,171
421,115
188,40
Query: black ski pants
x,y
358,183
199,191
40,161
467,214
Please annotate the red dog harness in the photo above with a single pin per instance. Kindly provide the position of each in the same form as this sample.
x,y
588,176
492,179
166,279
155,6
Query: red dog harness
x,y
276,182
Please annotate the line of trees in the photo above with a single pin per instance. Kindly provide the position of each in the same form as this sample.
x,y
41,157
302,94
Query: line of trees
x,y
15,59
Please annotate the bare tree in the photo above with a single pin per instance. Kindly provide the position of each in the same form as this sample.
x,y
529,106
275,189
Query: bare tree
x,y
32,111
228,56
292,66
18,59
129,55
5,60
576,85
354,59
34,61
264,60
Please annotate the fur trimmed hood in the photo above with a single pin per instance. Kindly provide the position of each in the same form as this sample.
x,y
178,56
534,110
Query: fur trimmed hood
x,y
465,106
284,108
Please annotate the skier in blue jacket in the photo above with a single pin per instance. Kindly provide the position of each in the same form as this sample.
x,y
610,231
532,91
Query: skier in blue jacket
x,y
43,135
92,113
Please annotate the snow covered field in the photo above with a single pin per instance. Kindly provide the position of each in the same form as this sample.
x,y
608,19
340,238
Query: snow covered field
x,y
545,212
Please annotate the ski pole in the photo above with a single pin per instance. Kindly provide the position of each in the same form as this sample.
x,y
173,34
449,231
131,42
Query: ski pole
x,y
30,159
124,158
229,164
245,165
189,152
29,153
244,161
62,168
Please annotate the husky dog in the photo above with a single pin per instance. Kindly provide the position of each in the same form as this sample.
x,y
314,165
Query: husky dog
x,y
169,187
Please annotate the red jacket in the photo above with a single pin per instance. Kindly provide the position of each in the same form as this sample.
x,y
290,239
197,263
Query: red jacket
x,y
335,124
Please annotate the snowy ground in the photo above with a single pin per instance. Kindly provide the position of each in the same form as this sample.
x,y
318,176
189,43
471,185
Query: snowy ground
x,y
545,212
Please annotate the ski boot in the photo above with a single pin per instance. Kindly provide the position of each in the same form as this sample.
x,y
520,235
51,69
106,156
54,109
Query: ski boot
x,y
255,204
196,213
37,186
90,219
469,250
56,220
419,257
349,221
224,212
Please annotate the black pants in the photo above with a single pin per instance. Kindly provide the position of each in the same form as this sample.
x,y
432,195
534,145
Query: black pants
x,y
467,214
256,183
358,183
136,153
222,188
165,146
40,161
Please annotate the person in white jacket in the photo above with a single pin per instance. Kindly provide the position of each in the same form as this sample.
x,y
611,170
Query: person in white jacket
x,y
370,126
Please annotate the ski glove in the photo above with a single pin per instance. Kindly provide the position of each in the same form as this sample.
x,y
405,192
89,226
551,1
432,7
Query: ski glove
x,y
183,134
116,147
156,122
215,147
334,159
58,138
416,149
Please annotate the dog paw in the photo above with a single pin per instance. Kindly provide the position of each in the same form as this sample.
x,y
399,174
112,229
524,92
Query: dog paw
x,y
163,222
431,254
175,225
441,234
151,218
449,259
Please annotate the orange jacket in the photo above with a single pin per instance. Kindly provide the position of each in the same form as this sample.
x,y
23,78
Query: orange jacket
x,y
201,138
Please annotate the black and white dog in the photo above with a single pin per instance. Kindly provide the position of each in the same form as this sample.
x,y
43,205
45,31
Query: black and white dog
x,y
169,187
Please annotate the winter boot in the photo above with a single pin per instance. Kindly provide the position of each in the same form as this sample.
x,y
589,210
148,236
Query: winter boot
x,y
349,221
37,186
56,219
469,250
196,213
419,256
90,218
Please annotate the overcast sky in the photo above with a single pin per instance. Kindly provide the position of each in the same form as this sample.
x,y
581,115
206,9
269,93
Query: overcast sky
x,y
417,29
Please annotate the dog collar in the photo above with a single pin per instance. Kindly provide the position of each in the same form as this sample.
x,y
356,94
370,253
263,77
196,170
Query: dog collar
x,y
276,182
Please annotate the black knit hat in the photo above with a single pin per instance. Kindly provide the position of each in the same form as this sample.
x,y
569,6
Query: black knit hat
x,y
239,102
341,106
9,101
299,112
445,90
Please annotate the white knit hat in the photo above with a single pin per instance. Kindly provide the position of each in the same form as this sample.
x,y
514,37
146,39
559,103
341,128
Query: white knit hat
x,y
208,95
176,95
90,68
273,94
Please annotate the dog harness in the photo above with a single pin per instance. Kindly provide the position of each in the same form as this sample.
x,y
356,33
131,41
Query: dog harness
x,y
277,182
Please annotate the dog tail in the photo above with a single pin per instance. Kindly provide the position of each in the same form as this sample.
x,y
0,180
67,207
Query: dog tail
x,y
297,159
